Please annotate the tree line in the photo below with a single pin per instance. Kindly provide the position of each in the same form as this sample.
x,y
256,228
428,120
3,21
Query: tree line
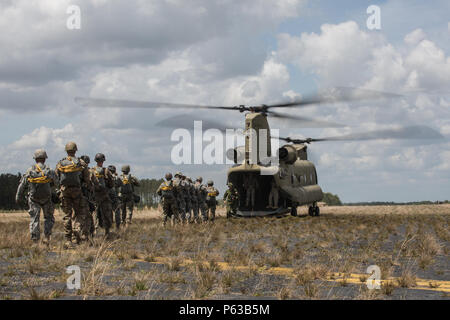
x,y
9,183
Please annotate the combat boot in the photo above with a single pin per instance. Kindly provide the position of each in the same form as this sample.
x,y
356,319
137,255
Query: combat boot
x,y
46,240
67,245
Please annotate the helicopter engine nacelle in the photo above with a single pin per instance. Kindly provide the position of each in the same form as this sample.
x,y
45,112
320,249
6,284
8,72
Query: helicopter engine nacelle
x,y
237,154
287,154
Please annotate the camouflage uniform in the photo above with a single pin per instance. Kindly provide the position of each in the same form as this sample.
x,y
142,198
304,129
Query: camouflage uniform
x,y
194,202
103,181
38,179
128,182
187,199
201,196
167,192
180,190
89,195
231,199
115,200
72,172
211,201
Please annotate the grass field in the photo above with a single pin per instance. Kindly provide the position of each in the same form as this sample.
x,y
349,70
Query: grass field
x,y
301,257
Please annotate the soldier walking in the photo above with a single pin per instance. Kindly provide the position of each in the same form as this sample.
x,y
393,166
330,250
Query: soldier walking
x,y
168,195
273,195
103,182
194,202
89,195
39,179
211,200
202,193
127,194
231,199
187,199
72,172
180,189
114,195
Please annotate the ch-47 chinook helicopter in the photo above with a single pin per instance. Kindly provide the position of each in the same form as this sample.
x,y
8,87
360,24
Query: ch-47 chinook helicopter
x,y
295,177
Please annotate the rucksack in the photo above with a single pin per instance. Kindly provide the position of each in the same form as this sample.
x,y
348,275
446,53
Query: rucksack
x,y
70,172
127,186
38,178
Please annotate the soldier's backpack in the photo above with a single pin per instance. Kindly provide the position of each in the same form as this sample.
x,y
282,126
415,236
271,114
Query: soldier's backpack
x,y
127,184
39,180
70,172
167,190
99,173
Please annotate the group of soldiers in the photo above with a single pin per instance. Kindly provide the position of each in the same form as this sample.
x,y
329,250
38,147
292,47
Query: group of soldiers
x,y
91,198
183,199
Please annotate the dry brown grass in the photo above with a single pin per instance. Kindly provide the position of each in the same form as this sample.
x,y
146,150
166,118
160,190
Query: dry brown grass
x,y
343,240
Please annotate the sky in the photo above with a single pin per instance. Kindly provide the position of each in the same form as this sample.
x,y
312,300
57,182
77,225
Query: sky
x,y
228,53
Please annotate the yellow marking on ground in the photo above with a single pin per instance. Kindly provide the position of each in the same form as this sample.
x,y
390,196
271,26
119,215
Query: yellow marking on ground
x,y
352,278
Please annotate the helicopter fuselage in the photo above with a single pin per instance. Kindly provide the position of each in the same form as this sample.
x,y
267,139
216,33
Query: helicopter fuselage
x,y
294,179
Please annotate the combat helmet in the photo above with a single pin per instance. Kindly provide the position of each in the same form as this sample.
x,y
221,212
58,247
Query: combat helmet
x,y
126,168
178,174
230,184
99,157
210,183
112,169
86,159
200,179
71,146
40,154
168,176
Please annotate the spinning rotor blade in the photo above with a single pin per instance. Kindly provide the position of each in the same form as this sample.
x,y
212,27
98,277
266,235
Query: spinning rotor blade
x,y
115,103
305,122
407,133
187,121
338,94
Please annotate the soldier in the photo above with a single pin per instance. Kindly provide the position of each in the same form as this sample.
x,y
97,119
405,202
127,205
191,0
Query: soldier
x,y
103,182
202,193
127,194
39,179
187,199
168,195
89,195
231,199
72,173
250,184
180,189
114,195
211,200
273,195
194,202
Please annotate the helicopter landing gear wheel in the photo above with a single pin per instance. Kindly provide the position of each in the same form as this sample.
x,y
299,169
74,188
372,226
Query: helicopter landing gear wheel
x,y
316,211
294,211
311,211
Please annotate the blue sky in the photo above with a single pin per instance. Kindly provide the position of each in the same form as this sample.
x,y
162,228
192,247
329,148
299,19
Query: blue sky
x,y
230,53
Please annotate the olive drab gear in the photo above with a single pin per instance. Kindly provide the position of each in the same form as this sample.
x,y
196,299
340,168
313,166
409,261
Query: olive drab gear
x,y
168,176
200,179
168,195
210,183
69,170
99,157
71,146
40,154
112,169
86,159
39,179
73,173
231,199
211,200
128,182
126,169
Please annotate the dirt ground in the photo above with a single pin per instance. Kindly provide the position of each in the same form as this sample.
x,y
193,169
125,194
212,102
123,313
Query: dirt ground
x,y
301,257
